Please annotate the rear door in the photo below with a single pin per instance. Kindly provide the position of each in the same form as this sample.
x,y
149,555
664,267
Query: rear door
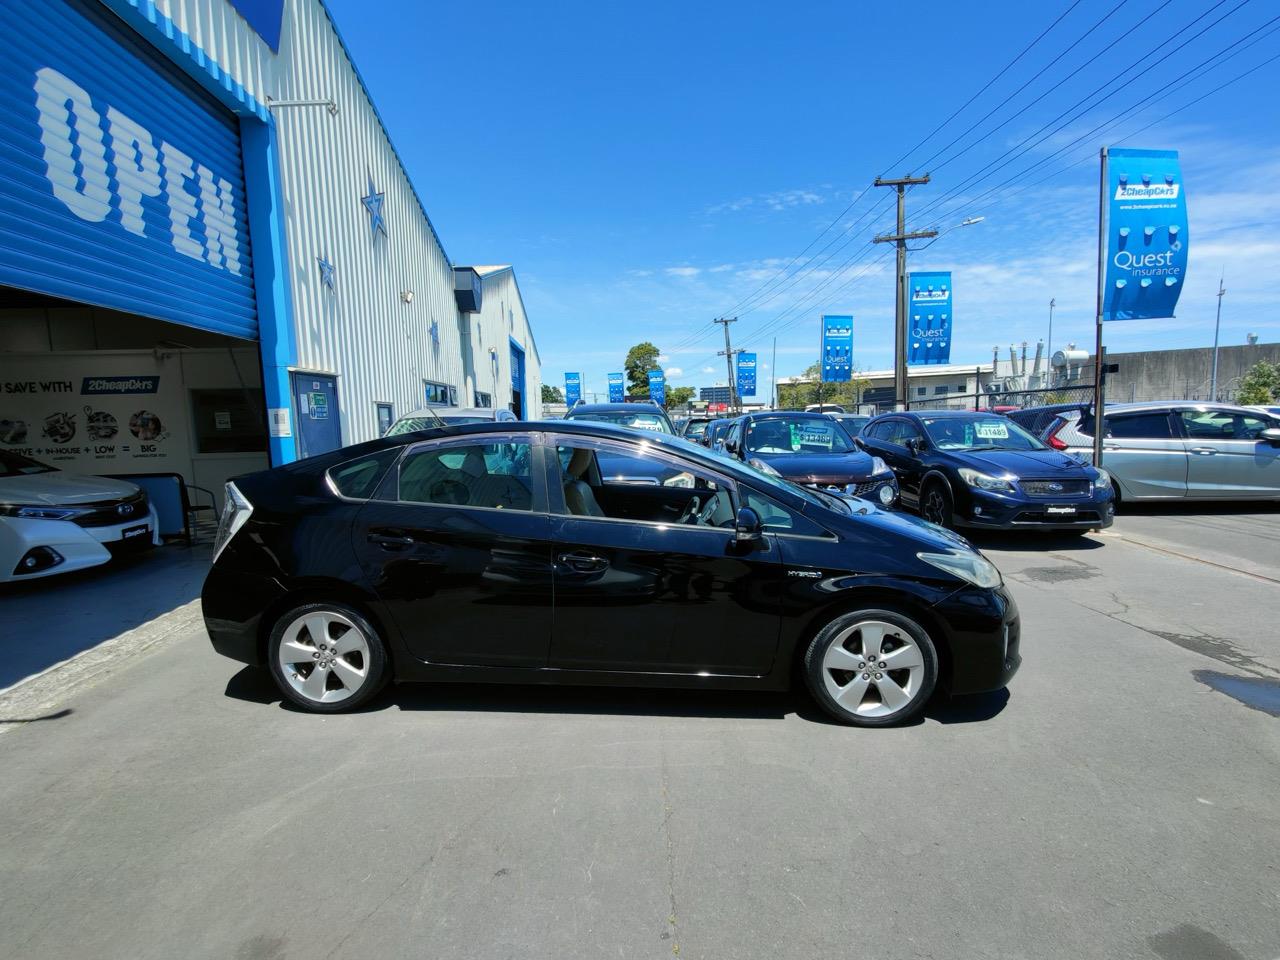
x,y
641,583
458,548
1226,457
1145,452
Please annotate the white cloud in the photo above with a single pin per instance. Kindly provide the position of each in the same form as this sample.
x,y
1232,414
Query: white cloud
x,y
663,357
674,372
721,269
776,201
708,369
683,271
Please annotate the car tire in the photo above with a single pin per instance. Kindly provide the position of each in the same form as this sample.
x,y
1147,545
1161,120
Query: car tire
x,y
326,657
936,504
855,689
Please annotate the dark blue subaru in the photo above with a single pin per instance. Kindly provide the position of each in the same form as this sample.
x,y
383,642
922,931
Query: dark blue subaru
x,y
961,468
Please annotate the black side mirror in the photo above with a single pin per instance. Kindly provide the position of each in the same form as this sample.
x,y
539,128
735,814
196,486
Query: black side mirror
x,y
914,446
1271,435
747,528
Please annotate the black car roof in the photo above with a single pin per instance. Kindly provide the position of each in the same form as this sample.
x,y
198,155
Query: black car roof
x,y
642,407
940,414
789,414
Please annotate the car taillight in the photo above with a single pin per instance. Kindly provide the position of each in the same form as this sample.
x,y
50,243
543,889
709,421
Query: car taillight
x,y
235,511
1053,440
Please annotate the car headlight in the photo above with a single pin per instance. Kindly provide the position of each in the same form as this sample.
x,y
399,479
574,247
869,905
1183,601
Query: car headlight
x,y
1103,480
878,466
37,512
763,467
967,565
984,481
235,512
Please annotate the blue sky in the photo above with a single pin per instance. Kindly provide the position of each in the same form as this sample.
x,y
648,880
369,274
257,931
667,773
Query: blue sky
x,y
648,167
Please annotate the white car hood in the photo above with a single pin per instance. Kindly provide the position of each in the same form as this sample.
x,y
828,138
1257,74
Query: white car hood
x,y
62,489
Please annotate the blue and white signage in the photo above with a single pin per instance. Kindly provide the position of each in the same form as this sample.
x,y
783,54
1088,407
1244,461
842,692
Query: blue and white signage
x,y
837,349
122,179
616,392
929,318
746,374
658,387
572,388
1146,234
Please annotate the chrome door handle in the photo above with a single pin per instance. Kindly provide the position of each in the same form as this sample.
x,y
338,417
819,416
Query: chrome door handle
x,y
582,562
1204,451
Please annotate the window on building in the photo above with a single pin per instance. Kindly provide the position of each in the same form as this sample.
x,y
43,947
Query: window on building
x,y
921,391
228,421
386,417
483,399
941,389
440,393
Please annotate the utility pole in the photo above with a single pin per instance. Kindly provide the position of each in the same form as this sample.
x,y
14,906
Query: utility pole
x,y
900,238
1099,382
773,378
727,353
1053,302
1217,324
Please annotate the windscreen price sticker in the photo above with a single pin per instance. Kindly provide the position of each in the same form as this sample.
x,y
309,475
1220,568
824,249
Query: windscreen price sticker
x,y
991,431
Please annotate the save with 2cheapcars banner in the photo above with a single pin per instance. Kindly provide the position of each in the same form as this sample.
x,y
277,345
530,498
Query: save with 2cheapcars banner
x,y
1146,234
746,375
929,318
837,349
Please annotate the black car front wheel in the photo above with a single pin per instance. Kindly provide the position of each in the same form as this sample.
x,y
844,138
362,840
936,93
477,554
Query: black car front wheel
x,y
871,668
326,657
935,503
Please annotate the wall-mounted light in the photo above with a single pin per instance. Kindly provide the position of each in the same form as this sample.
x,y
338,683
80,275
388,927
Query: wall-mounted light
x,y
406,296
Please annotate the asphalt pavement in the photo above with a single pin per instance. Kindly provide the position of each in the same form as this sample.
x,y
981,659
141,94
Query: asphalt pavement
x,y
1119,801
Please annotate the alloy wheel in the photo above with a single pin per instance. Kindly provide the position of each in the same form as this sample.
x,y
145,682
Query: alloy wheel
x,y
324,656
873,669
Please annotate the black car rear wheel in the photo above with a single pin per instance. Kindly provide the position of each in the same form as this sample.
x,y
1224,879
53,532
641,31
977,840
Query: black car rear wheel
x,y
326,657
935,503
871,668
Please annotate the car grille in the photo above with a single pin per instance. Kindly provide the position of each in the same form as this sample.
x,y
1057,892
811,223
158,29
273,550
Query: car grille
x,y
1055,488
836,486
111,512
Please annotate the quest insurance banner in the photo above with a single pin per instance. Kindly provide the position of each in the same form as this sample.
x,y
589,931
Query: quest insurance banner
x,y
1146,234
746,375
616,393
837,349
658,387
930,315
572,388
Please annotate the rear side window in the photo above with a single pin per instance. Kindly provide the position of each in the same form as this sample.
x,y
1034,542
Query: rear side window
x,y
358,479
1140,426
492,475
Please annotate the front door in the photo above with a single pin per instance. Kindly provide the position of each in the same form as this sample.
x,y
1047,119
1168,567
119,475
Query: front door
x,y
1226,457
319,424
648,576
457,546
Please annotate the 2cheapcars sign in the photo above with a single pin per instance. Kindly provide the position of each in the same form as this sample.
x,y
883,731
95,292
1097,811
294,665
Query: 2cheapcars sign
x,y
572,388
658,387
837,349
1146,234
616,392
929,312
746,375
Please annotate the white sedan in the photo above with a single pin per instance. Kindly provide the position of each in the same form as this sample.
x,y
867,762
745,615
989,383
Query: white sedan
x,y
53,522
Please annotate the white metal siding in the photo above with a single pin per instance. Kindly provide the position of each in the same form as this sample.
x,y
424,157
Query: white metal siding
x,y
228,39
501,320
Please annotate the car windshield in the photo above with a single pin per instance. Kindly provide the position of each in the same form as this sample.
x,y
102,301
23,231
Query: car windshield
x,y
415,422
783,435
827,502
696,428
979,433
465,419
639,420
16,465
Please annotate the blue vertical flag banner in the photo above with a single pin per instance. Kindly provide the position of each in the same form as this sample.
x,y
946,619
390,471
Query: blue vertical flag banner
x,y
837,349
929,311
1146,234
746,374
616,392
658,387
572,388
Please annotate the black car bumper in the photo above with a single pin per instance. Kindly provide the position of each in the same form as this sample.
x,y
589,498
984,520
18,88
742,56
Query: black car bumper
x,y
233,604
1002,512
985,633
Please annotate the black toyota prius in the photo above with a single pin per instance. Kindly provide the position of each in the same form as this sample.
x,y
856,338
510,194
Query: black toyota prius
x,y
504,552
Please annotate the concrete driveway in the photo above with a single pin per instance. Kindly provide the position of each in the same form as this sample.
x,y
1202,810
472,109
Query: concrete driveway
x,y
1120,801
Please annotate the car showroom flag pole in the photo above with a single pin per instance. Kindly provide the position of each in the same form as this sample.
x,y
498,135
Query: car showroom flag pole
x,y
1142,247
658,387
746,374
930,298
615,388
572,388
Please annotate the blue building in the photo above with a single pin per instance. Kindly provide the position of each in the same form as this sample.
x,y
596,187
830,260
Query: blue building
x,y
211,255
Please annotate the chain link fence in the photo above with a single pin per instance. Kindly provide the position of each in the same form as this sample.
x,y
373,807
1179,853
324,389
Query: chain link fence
x,y
1006,400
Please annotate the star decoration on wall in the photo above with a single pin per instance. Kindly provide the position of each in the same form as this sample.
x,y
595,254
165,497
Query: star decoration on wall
x,y
373,203
435,332
326,271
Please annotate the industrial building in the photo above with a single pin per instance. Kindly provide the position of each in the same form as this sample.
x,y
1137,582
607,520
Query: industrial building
x,y
211,256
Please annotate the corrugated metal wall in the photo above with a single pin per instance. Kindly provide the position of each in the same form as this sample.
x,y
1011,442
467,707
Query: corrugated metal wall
x,y
225,36
501,320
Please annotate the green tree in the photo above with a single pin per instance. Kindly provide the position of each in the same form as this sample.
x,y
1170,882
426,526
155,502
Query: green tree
x,y
641,358
797,396
678,396
1261,385
552,394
